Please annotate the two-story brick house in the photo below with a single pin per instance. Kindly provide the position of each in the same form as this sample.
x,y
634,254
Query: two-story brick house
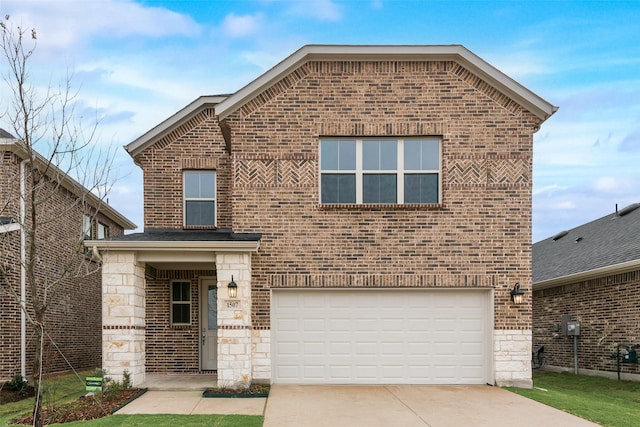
x,y
67,212
355,215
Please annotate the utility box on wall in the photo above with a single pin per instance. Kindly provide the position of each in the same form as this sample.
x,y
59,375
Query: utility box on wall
x,y
573,329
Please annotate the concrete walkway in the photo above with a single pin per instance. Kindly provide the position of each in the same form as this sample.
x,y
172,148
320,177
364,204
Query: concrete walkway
x,y
409,406
190,402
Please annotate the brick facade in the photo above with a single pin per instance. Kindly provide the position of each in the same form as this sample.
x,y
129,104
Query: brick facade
x,y
265,152
607,309
73,320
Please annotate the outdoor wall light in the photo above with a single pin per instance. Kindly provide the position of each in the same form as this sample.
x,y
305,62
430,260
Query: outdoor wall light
x,y
517,294
232,288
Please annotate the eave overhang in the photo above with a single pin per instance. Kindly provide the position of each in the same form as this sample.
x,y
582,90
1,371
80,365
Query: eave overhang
x,y
587,275
169,246
151,137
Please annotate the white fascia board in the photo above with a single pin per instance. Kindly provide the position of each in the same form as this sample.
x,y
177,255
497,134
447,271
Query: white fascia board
x,y
6,228
163,246
457,53
590,274
167,125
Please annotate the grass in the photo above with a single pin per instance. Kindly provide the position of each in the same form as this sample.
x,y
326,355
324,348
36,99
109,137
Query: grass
x,y
607,402
67,388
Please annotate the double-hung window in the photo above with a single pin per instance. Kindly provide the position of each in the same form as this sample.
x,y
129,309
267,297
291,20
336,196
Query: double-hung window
x,y
380,170
200,198
103,231
87,229
180,303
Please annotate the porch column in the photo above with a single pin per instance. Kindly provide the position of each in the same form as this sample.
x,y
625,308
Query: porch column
x,y
234,320
123,316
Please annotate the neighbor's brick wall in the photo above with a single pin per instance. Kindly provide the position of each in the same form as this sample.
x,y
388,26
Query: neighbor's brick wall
x,y
10,267
73,320
607,309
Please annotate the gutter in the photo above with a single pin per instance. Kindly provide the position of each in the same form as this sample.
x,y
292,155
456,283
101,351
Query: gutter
x,y
585,275
163,246
23,273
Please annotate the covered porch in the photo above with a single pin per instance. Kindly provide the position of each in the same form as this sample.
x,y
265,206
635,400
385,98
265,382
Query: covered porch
x,y
168,316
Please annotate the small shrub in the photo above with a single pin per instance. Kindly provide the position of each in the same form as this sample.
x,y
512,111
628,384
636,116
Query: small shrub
x,y
18,384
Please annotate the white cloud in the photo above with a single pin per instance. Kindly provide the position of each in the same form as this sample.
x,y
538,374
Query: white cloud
x,y
65,24
240,26
322,10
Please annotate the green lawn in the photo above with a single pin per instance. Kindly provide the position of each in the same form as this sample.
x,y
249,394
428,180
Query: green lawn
x,y
607,402
70,387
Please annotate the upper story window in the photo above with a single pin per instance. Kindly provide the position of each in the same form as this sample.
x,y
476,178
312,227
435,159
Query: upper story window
x,y
200,198
87,229
380,170
103,231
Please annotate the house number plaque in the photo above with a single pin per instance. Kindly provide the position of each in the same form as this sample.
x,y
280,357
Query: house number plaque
x,y
233,304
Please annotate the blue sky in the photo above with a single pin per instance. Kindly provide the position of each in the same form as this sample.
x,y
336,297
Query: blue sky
x,y
138,62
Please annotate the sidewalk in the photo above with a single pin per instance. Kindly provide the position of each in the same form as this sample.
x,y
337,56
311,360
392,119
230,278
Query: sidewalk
x,y
191,402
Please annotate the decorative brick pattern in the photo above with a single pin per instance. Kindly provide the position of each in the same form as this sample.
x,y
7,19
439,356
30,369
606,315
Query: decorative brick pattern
x,y
515,171
467,171
255,173
607,309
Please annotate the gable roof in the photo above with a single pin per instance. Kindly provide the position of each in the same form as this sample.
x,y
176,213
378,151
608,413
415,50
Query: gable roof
x,y
607,245
14,145
227,104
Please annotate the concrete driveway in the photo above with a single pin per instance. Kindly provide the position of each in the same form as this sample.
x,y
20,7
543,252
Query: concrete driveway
x,y
408,406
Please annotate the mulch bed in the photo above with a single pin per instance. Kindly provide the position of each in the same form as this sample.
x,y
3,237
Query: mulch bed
x,y
8,396
85,408
254,390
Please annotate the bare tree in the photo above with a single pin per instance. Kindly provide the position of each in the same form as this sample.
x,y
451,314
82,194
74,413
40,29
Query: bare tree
x,y
59,159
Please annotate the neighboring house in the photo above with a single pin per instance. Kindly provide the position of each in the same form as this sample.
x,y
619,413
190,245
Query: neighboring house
x,y
372,204
591,275
73,321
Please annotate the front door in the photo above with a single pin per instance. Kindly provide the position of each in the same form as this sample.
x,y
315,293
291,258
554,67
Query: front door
x,y
208,325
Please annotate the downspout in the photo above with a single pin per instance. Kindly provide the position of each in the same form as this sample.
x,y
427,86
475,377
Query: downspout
x,y
23,273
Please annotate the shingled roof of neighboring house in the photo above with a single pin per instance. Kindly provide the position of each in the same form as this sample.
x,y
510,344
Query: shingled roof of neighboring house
x,y
605,246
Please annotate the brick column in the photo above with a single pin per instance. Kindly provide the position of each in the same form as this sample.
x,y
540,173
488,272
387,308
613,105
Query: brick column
x,y
234,320
512,355
123,316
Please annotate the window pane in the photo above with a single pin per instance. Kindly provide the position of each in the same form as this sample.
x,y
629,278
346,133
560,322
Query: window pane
x,y
200,212
180,291
181,313
338,188
379,155
421,188
329,155
347,155
200,184
207,185
422,154
379,188
191,184
431,154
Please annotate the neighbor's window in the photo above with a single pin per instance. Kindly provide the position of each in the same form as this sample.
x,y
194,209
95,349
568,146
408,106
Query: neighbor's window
x,y
380,170
199,198
86,227
103,231
181,303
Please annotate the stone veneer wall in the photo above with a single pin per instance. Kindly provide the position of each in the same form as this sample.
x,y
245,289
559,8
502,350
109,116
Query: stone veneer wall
x,y
607,309
512,356
123,316
234,320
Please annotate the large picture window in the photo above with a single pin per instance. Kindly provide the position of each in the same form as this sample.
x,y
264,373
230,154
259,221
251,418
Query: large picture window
x,y
397,171
200,198
180,303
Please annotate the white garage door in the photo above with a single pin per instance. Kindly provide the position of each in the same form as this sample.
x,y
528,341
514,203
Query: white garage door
x,y
395,336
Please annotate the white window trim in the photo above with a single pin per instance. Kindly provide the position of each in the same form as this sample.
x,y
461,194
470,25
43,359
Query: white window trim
x,y
399,172
185,198
87,227
172,302
104,227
